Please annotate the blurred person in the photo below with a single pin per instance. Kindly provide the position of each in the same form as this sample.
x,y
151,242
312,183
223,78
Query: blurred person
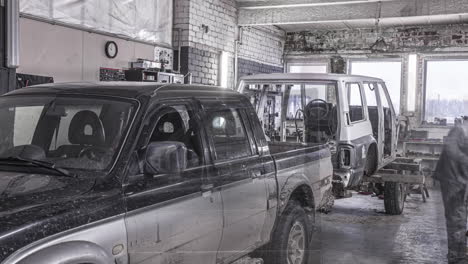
x,y
452,173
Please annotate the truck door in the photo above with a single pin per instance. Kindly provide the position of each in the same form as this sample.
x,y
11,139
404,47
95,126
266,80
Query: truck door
x,y
170,217
241,180
390,133
376,116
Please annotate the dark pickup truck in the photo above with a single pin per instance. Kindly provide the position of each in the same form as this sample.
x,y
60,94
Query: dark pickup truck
x,y
148,173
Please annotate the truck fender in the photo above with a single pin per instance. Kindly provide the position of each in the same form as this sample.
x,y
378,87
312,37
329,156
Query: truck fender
x,y
296,183
74,252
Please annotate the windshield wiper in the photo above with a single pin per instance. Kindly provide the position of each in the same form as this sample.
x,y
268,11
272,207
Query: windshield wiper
x,y
39,164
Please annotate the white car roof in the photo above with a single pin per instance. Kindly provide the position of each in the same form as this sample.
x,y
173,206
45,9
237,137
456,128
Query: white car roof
x,y
307,77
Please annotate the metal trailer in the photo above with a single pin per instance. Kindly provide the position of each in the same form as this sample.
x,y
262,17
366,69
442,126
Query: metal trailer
x,y
398,177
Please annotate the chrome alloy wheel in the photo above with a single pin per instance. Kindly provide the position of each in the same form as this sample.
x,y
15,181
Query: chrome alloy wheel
x,y
296,244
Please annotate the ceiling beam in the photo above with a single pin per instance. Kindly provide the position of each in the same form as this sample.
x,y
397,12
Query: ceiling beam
x,y
265,4
305,12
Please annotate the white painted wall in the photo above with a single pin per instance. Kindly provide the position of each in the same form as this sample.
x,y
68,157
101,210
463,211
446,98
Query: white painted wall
x,y
71,55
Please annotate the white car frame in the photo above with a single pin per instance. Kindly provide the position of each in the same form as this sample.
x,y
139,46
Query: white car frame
x,y
362,137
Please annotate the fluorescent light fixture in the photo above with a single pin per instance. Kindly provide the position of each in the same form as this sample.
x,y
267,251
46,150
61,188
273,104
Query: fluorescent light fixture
x,y
412,82
12,33
223,69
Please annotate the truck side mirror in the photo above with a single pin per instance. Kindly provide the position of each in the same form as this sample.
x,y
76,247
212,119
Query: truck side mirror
x,y
165,158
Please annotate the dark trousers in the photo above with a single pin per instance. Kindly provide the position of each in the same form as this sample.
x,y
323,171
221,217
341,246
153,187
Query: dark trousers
x,y
454,196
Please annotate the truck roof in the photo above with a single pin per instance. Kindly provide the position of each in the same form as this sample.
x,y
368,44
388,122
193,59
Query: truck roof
x,y
126,89
307,77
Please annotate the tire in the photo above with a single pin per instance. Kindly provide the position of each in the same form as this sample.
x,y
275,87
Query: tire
x,y
371,168
292,237
394,198
371,164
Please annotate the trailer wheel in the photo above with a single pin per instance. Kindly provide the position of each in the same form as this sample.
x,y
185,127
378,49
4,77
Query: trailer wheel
x,y
394,198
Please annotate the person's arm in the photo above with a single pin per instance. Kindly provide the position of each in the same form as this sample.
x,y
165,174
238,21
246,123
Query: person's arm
x,y
452,146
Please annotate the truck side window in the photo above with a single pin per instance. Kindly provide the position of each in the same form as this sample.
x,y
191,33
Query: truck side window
x,y
356,107
176,124
228,133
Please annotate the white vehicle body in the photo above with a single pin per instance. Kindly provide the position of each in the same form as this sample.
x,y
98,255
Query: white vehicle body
x,y
354,114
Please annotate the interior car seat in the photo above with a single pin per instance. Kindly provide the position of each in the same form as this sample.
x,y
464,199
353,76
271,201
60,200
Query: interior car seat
x,y
86,130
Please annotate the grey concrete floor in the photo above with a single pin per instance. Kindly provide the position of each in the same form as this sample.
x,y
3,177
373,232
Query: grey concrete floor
x,y
358,231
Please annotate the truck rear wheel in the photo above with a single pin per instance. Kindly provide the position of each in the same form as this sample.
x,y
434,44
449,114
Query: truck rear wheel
x,y
292,237
394,198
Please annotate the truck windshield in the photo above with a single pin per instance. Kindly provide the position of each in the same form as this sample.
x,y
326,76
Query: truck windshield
x,y
70,132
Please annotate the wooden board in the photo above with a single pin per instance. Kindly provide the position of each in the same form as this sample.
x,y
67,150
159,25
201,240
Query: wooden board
x,y
400,178
403,166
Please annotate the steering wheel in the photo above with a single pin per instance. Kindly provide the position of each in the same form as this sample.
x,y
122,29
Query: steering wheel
x,y
318,109
93,153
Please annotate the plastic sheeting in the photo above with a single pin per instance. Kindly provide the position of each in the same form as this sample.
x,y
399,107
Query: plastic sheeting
x,y
145,20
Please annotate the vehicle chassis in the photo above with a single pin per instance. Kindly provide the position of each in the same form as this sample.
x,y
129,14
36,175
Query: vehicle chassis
x,y
398,177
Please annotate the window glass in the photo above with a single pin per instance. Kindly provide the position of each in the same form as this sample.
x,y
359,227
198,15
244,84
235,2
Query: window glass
x,y
271,118
254,93
320,112
294,115
412,72
175,124
229,134
389,71
71,132
356,110
371,94
446,93
325,92
295,103
61,138
26,119
383,97
370,90
309,68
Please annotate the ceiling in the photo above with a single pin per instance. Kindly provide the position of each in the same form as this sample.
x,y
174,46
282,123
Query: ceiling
x,y
302,15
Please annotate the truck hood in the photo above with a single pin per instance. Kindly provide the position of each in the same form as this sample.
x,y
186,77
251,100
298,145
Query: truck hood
x,y
25,198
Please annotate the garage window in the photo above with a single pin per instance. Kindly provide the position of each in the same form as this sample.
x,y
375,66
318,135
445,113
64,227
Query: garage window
x,y
446,93
389,71
308,68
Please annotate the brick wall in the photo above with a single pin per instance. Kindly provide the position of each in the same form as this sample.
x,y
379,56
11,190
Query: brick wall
x,y
209,27
249,67
436,41
263,44
261,51
399,39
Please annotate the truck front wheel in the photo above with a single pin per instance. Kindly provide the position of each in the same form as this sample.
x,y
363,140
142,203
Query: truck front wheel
x,y
292,237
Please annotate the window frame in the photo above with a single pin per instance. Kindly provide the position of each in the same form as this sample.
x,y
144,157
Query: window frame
x,y
243,120
318,63
151,120
363,100
124,140
425,61
403,77
375,91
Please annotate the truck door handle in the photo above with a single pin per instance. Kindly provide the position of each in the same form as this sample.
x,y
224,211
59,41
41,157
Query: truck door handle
x,y
207,187
255,174
207,191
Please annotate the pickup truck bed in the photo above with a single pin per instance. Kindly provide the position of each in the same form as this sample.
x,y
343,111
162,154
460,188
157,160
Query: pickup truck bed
x,y
309,160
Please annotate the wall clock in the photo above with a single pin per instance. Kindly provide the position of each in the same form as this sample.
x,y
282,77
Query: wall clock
x,y
112,49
